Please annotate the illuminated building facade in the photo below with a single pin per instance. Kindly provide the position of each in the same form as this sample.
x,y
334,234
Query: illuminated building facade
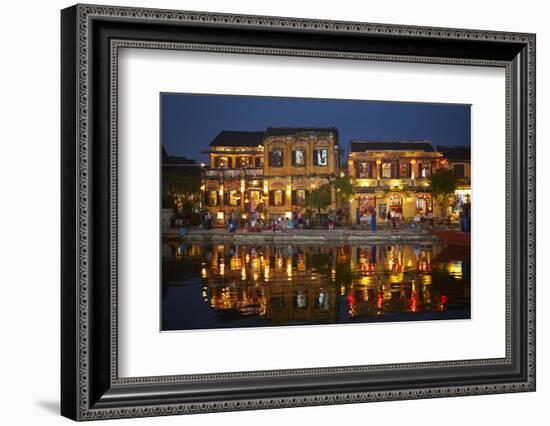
x,y
459,160
393,176
270,172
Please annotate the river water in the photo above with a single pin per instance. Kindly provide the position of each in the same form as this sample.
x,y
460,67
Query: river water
x,y
208,286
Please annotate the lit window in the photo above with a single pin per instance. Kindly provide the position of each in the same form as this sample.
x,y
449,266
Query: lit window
x,y
386,170
425,170
396,203
300,197
299,157
276,158
278,199
364,170
223,162
213,198
243,161
234,198
255,199
405,167
423,204
320,157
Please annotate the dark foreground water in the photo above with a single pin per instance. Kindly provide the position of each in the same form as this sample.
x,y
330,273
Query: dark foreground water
x,y
229,286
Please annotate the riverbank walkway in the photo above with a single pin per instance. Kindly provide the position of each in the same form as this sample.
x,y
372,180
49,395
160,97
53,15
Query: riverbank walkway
x,y
314,236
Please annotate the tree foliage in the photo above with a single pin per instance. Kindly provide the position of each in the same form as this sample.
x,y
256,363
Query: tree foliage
x,y
443,184
343,188
319,199
344,191
174,185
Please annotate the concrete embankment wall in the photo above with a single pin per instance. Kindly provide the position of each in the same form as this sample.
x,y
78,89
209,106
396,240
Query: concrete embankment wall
x,y
296,238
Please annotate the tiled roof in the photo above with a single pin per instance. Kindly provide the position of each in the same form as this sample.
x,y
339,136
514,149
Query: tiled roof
x,y
237,138
455,153
174,160
405,145
285,131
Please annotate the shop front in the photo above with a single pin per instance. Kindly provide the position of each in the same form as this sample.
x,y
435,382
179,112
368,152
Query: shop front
x,y
424,203
366,204
395,204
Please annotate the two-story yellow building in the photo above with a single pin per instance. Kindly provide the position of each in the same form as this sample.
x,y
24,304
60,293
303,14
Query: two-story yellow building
x,y
269,172
392,176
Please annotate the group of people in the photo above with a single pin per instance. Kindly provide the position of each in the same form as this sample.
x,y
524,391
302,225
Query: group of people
x,y
368,217
255,224
298,221
289,224
420,217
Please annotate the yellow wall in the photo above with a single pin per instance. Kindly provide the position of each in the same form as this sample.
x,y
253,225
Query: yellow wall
x,y
293,142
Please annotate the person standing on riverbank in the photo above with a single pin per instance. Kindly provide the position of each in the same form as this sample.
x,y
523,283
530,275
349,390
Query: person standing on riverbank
x,y
373,221
331,222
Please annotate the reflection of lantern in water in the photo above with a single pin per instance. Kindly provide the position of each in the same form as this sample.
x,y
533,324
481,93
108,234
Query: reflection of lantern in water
x,y
380,298
396,278
351,305
414,298
455,269
301,300
413,301
366,281
323,301
235,263
443,302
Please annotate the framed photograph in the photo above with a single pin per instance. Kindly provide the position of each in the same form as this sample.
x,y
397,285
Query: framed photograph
x,y
263,212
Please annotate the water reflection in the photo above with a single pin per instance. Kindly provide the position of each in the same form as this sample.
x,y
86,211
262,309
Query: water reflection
x,y
220,286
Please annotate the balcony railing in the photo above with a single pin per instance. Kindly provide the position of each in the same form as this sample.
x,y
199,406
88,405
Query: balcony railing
x,y
254,172
211,173
233,173
390,184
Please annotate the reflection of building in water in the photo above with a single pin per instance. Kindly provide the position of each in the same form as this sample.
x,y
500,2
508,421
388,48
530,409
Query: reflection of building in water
x,y
274,282
302,284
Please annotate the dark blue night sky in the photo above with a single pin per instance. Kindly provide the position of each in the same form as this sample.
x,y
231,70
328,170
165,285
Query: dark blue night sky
x,y
191,122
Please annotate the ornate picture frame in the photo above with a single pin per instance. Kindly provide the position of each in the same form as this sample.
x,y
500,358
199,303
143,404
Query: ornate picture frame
x,y
90,39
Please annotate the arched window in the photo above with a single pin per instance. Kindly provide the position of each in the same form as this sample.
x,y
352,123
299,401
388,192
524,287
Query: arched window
x,y
276,157
320,153
299,157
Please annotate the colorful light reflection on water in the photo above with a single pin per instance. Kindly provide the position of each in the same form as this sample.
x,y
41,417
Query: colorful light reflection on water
x,y
229,286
